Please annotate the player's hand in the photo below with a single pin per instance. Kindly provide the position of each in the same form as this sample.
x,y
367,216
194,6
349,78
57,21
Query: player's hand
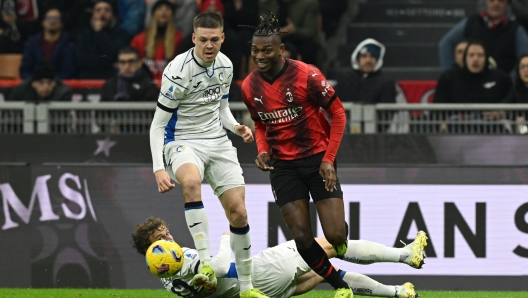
x,y
327,171
244,132
163,180
262,162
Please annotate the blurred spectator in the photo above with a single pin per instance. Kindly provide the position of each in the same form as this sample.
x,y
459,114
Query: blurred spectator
x,y
331,11
186,10
460,49
131,83
239,14
42,87
290,52
52,45
132,14
97,45
503,36
11,39
232,46
519,93
520,10
300,19
475,82
365,82
158,44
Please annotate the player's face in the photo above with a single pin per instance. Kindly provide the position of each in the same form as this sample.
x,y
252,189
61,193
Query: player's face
x,y
266,52
207,43
523,70
162,233
496,8
475,58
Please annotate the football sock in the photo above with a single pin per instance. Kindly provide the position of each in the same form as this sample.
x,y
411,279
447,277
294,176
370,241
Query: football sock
x,y
367,252
317,259
240,241
198,225
366,286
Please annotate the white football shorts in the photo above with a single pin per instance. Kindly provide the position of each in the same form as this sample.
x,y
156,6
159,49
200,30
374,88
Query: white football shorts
x,y
276,269
216,159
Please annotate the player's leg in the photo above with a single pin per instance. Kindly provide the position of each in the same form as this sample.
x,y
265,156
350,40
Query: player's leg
x,y
225,176
366,286
186,167
367,252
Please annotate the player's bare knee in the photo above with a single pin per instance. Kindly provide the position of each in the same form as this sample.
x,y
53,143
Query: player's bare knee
x,y
303,239
191,189
237,215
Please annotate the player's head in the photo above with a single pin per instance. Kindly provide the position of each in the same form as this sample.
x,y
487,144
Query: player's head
x,y
267,46
150,231
208,35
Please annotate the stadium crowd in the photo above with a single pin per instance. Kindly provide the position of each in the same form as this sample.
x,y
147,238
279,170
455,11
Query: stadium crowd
x,y
128,44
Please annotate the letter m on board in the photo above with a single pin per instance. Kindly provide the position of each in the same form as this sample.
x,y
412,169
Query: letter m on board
x,y
10,199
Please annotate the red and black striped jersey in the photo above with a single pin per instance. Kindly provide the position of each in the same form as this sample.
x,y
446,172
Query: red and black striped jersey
x,y
289,105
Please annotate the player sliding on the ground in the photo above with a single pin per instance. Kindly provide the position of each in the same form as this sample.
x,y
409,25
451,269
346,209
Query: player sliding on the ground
x,y
280,271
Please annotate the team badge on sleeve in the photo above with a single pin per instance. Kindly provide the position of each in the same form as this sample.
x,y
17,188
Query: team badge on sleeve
x,y
169,92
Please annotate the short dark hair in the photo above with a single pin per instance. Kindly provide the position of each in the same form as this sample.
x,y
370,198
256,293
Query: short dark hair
x,y
128,50
209,20
141,237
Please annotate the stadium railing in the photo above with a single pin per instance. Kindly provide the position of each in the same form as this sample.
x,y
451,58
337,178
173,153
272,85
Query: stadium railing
x,y
135,118
445,118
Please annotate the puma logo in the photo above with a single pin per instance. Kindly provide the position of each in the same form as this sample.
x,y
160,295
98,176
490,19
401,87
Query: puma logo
x,y
246,248
314,74
176,78
258,99
197,84
194,224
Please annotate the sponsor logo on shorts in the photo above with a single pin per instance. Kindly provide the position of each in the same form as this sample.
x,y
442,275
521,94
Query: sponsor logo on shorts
x,y
274,193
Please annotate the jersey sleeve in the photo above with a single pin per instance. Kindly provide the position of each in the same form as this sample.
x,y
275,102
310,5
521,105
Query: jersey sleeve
x,y
319,90
173,87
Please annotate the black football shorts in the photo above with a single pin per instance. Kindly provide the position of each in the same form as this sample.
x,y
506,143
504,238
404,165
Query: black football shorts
x,y
293,180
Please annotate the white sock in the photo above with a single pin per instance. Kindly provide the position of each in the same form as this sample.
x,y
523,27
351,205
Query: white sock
x,y
241,246
366,252
198,225
366,286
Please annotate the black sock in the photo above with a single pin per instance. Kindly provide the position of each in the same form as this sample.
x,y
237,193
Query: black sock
x,y
317,259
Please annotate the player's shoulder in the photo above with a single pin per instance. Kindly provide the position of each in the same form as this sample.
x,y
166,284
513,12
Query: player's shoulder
x,y
223,60
303,67
180,65
249,78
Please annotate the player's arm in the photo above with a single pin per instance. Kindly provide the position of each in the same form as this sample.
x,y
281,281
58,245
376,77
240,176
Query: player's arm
x,y
260,134
222,261
168,100
324,96
229,122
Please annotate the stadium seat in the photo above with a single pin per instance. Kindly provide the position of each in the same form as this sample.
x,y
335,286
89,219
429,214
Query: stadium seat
x,y
10,66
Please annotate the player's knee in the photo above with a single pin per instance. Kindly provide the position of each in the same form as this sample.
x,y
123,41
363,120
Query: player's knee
x,y
191,186
237,215
303,238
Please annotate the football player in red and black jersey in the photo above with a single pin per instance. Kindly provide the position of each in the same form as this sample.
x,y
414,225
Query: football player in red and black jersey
x,y
298,145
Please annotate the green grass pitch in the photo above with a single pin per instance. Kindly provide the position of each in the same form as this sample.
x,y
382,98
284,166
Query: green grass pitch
x,y
110,293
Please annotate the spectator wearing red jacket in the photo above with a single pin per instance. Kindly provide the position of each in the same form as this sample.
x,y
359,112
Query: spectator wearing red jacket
x,y
159,43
